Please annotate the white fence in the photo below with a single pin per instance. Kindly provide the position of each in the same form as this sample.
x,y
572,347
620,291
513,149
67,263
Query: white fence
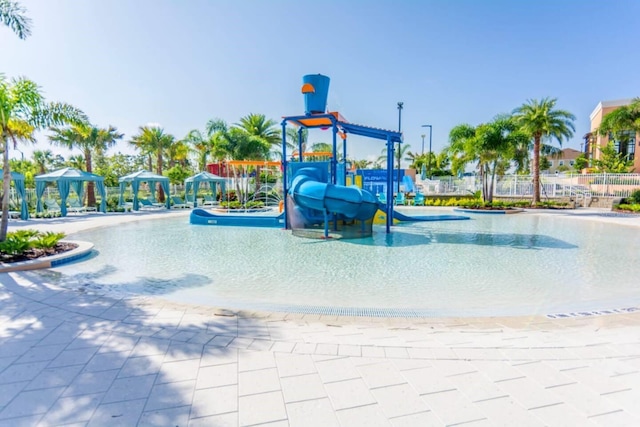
x,y
560,185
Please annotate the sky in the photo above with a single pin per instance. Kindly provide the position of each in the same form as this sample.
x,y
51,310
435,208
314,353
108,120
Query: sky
x,y
128,63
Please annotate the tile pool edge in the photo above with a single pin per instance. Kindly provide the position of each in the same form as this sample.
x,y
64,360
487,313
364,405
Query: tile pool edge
x,y
83,249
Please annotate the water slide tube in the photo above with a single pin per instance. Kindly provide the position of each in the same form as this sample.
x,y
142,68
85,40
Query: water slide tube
x,y
309,192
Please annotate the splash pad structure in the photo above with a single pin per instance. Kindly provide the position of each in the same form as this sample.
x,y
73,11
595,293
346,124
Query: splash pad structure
x,y
319,200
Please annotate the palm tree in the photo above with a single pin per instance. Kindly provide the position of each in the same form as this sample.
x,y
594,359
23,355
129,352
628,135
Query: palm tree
x,y
88,138
202,145
492,145
152,139
361,164
292,139
76,162
42,159
23,111
622,124
218,131
257,125
541,120
262,132
13,16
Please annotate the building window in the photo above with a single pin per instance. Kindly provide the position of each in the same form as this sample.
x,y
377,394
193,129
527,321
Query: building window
x,y
625,143
561,163
572,162
550,163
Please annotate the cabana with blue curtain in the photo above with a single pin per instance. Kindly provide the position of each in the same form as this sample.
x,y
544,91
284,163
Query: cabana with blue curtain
x,y
18,181
203,177
143,176
66,179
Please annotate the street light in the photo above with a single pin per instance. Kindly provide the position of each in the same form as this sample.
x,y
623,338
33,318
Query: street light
x,y
430,138
400,104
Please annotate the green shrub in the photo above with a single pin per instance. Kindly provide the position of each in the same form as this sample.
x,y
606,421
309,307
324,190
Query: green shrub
x,y
628,207
14,245
47,240
635,197
20,241
113,203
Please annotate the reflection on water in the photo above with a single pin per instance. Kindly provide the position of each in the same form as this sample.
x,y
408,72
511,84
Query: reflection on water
x,y
513,264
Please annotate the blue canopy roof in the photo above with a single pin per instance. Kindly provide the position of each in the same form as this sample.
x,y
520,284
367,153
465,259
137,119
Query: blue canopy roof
x,y
143,176
69,174
194,182
65,178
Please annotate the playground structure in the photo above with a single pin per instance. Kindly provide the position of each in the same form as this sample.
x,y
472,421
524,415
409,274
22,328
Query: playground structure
x,y
317,195
320,200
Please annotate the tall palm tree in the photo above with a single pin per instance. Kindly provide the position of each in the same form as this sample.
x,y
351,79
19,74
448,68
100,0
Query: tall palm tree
x,y
258,125
23,111
292,139
14,16
201,144
541,120
88,138
361,164
152,139
42,159
262,132
218,131
76,162
494,146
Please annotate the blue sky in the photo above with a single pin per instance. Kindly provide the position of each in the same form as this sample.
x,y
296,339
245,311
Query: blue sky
x,y
180,63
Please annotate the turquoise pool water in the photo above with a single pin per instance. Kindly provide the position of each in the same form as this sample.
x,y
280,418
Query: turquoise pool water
x,y
489,265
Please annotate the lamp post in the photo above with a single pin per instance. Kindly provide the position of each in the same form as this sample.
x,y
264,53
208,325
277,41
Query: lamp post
x,y
429,158
400,104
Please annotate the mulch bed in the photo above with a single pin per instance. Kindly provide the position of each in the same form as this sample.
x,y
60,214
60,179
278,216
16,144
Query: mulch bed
x,y
32,254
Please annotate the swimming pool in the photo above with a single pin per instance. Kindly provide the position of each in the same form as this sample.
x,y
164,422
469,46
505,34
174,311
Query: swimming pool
x,y
491,265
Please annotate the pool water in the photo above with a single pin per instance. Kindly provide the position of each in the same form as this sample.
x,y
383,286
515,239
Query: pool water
x,y
490,265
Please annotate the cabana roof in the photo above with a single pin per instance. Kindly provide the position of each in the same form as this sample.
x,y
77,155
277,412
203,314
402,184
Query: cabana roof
x,y
15,176
69,174
204,177
143,176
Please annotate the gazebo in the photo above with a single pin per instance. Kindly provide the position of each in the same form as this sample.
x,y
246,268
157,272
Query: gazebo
x,y
203,177
143,176
18,180
66,179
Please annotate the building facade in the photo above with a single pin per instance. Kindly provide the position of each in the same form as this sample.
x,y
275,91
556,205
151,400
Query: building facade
x,y
564,161
593,140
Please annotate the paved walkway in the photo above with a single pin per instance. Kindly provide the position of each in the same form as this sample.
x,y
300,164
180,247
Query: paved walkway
x,y
68,358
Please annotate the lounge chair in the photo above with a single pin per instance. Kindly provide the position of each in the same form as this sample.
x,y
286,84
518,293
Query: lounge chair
x,y
209,201
382,198
13,214
418,200
400,199
177,203
146,204
154,202
52,206
76,207
189,200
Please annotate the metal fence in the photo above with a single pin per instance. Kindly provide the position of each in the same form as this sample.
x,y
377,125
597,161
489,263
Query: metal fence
x,y
556,185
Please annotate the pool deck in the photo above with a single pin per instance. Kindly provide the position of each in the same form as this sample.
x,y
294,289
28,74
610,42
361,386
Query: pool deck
x,y
70,358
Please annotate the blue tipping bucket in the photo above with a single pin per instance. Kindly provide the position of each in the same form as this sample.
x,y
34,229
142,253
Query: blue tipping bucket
x,y
315,88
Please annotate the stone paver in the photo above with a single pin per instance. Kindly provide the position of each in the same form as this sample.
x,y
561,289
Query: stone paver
x,y
67,358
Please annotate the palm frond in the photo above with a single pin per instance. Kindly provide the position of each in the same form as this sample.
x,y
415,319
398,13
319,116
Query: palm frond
x,y
14,16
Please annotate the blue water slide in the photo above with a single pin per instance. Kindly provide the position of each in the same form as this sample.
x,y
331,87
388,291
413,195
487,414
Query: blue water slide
x,y
309,192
